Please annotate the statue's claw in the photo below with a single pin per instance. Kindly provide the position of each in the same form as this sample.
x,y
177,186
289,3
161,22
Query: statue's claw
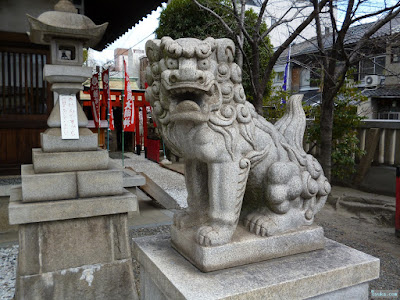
x,y
215,235
257,224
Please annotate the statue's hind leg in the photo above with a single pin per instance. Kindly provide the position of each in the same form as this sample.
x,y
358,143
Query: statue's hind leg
x,y
282,210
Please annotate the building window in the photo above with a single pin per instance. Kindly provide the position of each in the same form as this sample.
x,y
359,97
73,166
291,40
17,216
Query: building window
x,y
309,78
372,66
304,78
279,76
395,56
22,87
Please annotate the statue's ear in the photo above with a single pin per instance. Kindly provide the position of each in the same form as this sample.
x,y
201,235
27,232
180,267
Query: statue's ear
x,y
225,50
153,50
211,41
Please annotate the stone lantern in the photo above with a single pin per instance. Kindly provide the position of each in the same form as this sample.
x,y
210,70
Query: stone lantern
x,y
67,33
71,208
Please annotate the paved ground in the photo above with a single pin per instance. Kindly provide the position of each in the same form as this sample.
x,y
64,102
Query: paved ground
x,y
360,220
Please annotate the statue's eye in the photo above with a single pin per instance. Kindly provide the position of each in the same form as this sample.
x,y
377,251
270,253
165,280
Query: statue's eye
x,y
172,63
203,64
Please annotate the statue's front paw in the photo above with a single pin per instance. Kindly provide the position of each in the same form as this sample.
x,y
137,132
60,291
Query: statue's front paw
x,y
215,235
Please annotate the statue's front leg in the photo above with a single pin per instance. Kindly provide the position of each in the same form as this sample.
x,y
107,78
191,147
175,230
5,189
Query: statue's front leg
x,y
226,183
196,185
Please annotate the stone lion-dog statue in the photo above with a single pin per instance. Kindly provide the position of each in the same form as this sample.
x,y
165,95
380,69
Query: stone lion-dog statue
x,y
238,166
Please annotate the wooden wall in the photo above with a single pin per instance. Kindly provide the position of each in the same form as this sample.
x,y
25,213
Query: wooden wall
x,y
25,100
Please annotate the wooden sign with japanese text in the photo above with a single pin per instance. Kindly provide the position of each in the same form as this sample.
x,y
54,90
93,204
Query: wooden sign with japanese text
x,y
69,117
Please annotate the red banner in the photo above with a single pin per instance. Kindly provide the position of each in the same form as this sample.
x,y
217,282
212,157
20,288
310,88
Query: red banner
x,y
95,98
107,98
111,112
128,115
106,88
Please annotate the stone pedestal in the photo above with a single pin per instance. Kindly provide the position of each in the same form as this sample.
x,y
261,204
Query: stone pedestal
x,y
72,208
74,249
72,214
245,248
335,272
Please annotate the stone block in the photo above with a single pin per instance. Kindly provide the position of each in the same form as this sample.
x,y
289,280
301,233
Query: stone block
x,y
121,245
100,281
52,162
51,141
29,250
74,243
22,213
16,193
99,183
132,179
4,224
246,248
318,273
48,186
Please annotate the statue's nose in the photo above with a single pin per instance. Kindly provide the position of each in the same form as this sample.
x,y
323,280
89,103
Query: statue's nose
x,y
187,72
187,75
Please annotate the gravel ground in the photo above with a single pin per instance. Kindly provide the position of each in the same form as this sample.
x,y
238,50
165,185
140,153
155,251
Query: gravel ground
x,y
8,259
13,180
363,234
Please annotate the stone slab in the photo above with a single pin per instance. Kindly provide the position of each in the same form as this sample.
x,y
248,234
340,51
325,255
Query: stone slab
x,y
99,183
47,186
99,281
22,213
300,276
132,179
52,162
5,226
51,141
16,193
246,247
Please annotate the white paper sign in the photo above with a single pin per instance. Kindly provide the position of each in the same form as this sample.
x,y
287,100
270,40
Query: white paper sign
x,y
69,117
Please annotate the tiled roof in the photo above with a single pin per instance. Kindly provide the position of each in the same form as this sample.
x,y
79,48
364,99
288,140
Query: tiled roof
x,y
353,35
311,97
382,92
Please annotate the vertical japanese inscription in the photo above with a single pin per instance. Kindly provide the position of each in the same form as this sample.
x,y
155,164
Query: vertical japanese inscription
x,y
69,117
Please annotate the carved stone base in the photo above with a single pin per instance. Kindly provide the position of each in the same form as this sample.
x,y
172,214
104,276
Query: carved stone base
x,y
246,247
335,272
84,258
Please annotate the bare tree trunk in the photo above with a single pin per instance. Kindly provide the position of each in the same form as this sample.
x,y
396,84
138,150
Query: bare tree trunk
x,y
326,125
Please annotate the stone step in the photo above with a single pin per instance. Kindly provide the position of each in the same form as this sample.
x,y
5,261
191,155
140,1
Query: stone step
x,y
23,213
69,185
51,141
53,162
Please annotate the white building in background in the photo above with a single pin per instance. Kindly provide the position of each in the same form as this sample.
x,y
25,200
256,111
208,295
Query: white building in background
x,y
294,10
134,56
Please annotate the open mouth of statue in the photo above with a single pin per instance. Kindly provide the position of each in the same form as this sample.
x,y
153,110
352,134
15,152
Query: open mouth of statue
x,y
192,103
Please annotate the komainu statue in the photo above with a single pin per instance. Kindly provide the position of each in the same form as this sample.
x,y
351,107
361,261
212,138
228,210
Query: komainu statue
x,y
239,167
